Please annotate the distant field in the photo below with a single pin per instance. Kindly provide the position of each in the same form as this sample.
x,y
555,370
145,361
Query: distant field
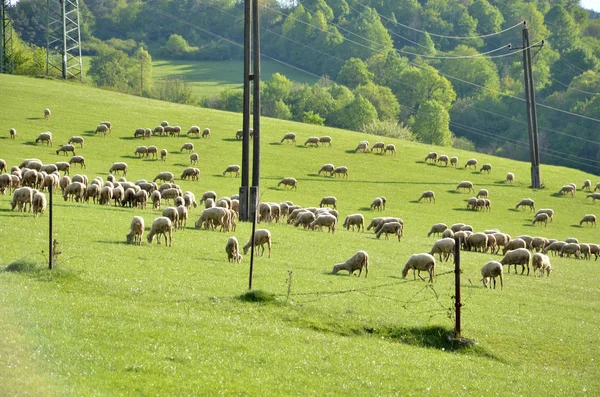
x,y
207,78
115,319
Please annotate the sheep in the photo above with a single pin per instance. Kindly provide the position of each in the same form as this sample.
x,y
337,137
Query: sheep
x,y
486,167
13,133
390,148
78,160
222,203
548,212
428,195
163,154
466,185
141,151
291,182
477,241
189,147
327,220
513,245
232,250
168,130
420,262
593,196
444,246
170,194
570,249
206,195
39,204
355,220
312,141
194,158
183,216
161,225
541,262
472,203
231,169
539,243
63,166
92,191
289,137
152,150
118,166
555,247
64,182
136,231
264,212
519,256
595,250
164,176
437,229
47,114
448,233
74,189
374,223
342,170
304,218
567,189
454,161
156,197
139,132
377,204
471,163
363,146
456,227
102,129
206,134
31,178
2,166
22,197
589,218
48,168
164,123
107,124
240,134
528,241
482,193
380,146
358,261
572,240
211,217
159,130
45,137
585,250
541,218
325,139
5,183
394,228
328,200
326,168
261,237
293,214
194,130
140,199
491,270
106,194
383,221
173,215
76,139
443,159
431,156
587,185
526,203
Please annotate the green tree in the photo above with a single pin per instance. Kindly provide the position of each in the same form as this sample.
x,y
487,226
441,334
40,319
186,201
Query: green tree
x,y
144,60
489,18
367,30
312,118
565,31
282,111
274,91
356,114
432,124
176,47
478,70
174,90
383,99
111,68
354,73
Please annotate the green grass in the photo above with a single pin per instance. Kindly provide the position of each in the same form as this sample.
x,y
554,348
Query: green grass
x,y
119,319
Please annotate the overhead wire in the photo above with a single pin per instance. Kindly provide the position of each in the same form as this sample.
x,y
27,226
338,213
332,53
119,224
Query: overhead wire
x,y
572,88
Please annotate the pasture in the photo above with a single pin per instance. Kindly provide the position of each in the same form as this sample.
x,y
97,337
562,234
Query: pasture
x,y
120,319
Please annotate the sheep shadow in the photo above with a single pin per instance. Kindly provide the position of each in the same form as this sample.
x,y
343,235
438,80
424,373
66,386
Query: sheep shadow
x,y
180,165
557,195
29,143
420,162
317,175
3,137
112,242
364,209
275,143
463,209
130,138
129,156
577,226
453,191
34,118
231,140
515,210
350,151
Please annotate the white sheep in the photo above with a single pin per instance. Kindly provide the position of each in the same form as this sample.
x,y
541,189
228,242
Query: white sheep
x,y
356,262
477,241
288,181
443,159
189,147
466,185
363,146
136,231
161,225
541,262
328,200
326,168
194,158
13,133
232,249
22,197
431,156
390,147
546,211
164,176
312,141
587,185
76,139
510,177
118,166
64,167
526,203
212,217
541,218
159,130
570,249
194,130
388,228
355,220
482,193
448,233
379,146
327,220
290,137
444,246
519,256
206,134
437,229
454,161
589,218
74,189
341,170
46,113
325,140
491,270
377,204
206,195
173,215
420,262
39,203
78,160
261,237
304,218
567,189
593,196
486,167
232,169
189,199
182,211
191,172
471,163
102,129
428,195
45,137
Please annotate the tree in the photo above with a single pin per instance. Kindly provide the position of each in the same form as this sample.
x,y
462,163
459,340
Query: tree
x,y
354,73
143,58
489,18
276,90
176,47
111,68
565,30
478,70
432,124
282,111
383,99
356,114
369,32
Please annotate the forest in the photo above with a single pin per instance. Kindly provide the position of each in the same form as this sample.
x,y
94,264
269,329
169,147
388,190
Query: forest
x,y
434,71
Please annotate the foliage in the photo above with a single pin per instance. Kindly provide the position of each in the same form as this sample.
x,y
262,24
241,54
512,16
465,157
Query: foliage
x,y
388,129
176,47
354,73
356,114
312,118
432,124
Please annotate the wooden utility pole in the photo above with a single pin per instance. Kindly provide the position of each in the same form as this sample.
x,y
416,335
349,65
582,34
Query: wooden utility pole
x,y
50,242
457,298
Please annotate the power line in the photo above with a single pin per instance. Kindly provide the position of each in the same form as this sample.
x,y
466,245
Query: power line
x,y
574,89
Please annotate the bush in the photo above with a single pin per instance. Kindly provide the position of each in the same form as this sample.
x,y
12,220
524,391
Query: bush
x,y
389,129
460,142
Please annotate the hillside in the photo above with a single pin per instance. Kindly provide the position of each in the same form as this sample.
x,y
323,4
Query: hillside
x,y
113,318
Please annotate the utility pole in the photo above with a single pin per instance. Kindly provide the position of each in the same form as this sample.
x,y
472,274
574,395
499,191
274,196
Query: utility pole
x,y
457,298
64,38
7,59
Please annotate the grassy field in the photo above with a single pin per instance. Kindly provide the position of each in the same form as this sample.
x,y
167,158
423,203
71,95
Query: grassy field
x,y
114,319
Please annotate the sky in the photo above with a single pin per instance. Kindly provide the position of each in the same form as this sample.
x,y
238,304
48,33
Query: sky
x,y
591,4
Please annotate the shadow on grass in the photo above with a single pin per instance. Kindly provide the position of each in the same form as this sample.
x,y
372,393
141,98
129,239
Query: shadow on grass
x,y
130,138
231,140
129,156
181,165
40,272
364,209
420,162
275,143
30,143
34,118
453,191
577,226
258,296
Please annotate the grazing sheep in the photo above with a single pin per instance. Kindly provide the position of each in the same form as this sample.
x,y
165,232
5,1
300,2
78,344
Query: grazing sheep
x,y
541,218
510,177
528,241
390,148
140,199
486,167
570,249
593,196
206,134
326,168
13,133
472,203
164,176
539,243
63,166
548,212
456,227
428,195
312,141
477,241
444,246
519,256
328,200
206,195
327,220
159,130
194,130
175,131
379,146
471,163
78,160
74,189
92,191
45,137
102,129
443,159
119,166
47,113
173,215
194,158
466,185
231,169
342,170
482,193
431,156
572,240
374,223
589,218
141,151
513,245
491,270
526,203
595,250
420,262
76,139
454,161
394,228
567,189
437,229
363,146
106,194
164,123
189,147
585,250
291,182
541,262
358,261
555,247
2,166
168,130
290,137
232,249
183,216
587,185
261,237
383,221
212,217
240,134
304,218
152,150
170,194
48,168
325,139
156,197
39,204
136,231
139,132
355,220
5,183
163,154
377,204
161,225
108,124
22,197
448,233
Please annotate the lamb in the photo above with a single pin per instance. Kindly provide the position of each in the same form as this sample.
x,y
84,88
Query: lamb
x,y
164,176
325,139
363,146
541,262
471,163
548,212
326,168
437,229
118,166
102,129
567,189
443,159
428,195
261,237
136,231
510,177
13,133
78,160
64,167
189,147
304,218
232,250
47,113
328,200
542,217
163,154
290,137
377,204
312,141
491,270
76,139
342,170
206,134
526,203
161,225
466,185
355,220
231,169
589,218
444,246
194,158
22,197
45,137
379,146
394,228
210,194
420,262
291,182
390,148
358,261
513,245
486,167
327,220
39,204
519,256
593,196
194,130
570,249
482,193
431,156
74,189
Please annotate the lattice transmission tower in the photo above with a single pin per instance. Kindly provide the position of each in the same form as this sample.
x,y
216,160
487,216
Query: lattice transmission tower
x,y
7,59
63,50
